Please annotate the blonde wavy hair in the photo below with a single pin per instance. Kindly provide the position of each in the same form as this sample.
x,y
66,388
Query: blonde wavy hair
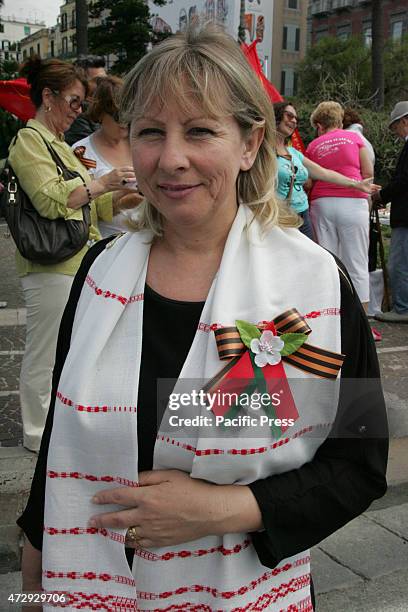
x,y
206,68
329,114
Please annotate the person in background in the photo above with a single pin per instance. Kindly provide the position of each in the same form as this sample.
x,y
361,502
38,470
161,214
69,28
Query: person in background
x,y
396,192
57,91
340,214
94,68
353,123
108,147
294,168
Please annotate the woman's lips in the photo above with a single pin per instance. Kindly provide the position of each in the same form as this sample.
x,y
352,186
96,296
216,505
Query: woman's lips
x,y
177,192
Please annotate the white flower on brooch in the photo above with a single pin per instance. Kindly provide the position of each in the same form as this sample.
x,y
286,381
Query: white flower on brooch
x,y
267,349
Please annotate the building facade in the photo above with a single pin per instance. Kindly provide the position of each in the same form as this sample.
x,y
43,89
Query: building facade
x,y
11,32
41,43
289,40
345,18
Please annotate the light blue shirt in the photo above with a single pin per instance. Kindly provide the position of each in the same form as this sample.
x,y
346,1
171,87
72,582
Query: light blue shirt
x,y
298,200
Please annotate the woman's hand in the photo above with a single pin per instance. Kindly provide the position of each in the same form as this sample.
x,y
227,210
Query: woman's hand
x,y
367,186
169,507
118,178
123,200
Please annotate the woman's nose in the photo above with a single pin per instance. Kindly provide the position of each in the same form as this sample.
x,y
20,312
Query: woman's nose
x,y
174,155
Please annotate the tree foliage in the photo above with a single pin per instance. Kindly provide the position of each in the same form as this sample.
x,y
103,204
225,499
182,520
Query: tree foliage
x,y
125,30
341,70
335,68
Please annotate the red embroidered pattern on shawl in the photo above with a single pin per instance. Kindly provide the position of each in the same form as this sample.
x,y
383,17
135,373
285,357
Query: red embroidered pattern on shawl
x,y
92,478
281,591
117,537
324,312
93,409
89,576
105,293
305,605
184,554
94,601
242,451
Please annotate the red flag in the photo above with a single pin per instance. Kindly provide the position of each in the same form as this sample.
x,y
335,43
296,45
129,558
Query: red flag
x,y
15,98
274,95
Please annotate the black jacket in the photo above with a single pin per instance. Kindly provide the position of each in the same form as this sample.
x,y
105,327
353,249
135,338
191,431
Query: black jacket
x,y
396,191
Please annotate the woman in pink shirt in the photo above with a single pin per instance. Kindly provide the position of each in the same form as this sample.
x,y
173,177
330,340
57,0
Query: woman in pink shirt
x,y
340,215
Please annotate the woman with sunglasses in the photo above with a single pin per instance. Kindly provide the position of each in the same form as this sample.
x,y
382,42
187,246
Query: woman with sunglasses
x,y
109,146
57,92
294,168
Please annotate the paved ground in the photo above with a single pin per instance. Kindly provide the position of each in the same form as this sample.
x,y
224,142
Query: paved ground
x,y
361,568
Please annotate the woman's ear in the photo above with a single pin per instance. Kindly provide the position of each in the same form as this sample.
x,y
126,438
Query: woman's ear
x,y
252,144
47,96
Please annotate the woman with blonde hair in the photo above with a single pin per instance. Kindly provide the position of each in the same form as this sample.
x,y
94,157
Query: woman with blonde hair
x,y
218,497
340,215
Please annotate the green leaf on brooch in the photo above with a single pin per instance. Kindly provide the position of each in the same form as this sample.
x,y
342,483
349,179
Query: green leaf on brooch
x,y
292,342
247,331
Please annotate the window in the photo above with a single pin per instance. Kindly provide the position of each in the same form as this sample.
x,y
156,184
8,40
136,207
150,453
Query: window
x,y
31,50
38,49
52,48
291,38
65,45
1,28
397,29
27,30
289,79
24,53
5,45
367,34
293,4
344,31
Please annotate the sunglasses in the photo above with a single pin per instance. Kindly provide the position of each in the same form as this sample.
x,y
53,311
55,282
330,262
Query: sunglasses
x,y
74,102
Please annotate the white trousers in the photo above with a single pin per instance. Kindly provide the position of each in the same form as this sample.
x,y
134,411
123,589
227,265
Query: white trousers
x,y
341,225
45,297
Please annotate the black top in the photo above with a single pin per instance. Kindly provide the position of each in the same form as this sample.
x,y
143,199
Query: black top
x,y
300,507
396,191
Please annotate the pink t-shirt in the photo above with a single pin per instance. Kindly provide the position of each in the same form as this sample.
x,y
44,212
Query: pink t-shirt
x,y
337,150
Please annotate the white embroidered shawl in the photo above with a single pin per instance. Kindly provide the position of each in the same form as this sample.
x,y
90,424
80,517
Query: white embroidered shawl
x,y
94,438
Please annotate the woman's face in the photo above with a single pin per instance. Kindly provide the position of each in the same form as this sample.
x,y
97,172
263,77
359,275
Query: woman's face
x,y
289,122
187,164
65,106
112,128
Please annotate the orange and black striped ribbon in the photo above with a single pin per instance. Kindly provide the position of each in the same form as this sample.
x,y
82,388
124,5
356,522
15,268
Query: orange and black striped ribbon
x,y
308,358
85,161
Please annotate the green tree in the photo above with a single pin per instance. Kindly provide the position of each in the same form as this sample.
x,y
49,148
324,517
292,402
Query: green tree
x,y
336,68
396,71
125,30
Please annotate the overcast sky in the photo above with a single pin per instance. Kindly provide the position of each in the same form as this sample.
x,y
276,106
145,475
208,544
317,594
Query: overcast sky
x,y
41,10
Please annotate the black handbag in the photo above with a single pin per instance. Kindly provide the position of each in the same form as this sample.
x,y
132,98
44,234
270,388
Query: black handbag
x,y
41,240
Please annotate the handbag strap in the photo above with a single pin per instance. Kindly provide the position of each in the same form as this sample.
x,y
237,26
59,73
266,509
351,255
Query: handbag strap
x,y
55,157
292,178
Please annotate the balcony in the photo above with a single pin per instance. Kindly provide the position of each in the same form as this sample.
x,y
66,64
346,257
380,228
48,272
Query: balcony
x,y
320,8
341,5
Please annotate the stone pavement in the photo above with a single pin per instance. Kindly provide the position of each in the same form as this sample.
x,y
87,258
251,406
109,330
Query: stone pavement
x,y
363,567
